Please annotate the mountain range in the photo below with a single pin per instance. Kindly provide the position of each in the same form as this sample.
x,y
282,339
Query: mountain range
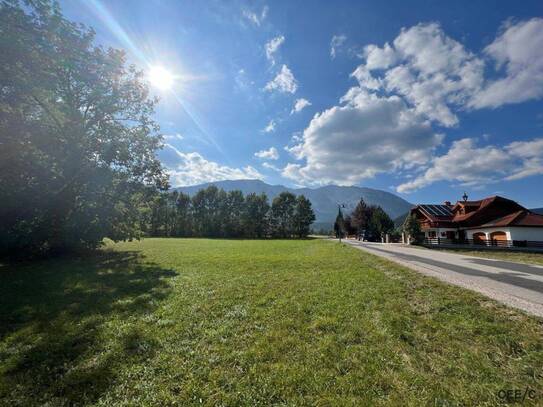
x,y
324,200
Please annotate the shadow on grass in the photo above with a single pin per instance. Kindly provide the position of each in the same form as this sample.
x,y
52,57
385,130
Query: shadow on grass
x,y
64,328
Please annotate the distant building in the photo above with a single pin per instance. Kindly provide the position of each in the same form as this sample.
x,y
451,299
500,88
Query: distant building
x,y
494,220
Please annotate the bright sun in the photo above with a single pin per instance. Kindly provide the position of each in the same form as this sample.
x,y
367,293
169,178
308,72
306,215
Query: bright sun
x,y
161,78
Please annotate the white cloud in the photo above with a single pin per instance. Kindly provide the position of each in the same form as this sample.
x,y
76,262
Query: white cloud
x,y
173,137
269,154
470,165
271,167
255,18
299,105
433,72
438,76
366,136
272,47
336,42
531,155
270,127
519,50
283,82
379,58
192,168
424,77
365,78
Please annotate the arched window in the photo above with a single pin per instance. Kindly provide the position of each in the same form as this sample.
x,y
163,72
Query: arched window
x,y
498,238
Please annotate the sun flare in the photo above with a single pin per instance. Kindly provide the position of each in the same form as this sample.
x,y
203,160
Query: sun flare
x,y
161,78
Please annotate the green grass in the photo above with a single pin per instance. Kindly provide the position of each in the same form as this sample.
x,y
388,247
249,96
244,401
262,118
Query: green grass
x,y
217,322
506,255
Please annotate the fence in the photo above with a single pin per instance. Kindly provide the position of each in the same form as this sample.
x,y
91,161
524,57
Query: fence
x,y
479,243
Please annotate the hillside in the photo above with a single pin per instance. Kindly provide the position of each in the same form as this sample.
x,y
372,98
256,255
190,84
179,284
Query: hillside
x,y
323,199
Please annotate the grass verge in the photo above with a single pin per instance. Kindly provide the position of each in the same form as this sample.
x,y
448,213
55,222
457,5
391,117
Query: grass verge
x,y
505,255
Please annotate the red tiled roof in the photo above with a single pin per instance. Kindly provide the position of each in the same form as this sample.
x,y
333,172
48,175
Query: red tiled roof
x,y
493,211
483,203
490,207
519,218
529,219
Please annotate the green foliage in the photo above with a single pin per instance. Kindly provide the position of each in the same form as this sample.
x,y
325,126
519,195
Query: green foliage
x,y
339,224
256,215
212,212
412,228
77,142
282,215
164,322
360,216
371,220
303,216
379,222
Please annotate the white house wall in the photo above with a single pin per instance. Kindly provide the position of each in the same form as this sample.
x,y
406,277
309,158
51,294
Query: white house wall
x,y
512,233
527,233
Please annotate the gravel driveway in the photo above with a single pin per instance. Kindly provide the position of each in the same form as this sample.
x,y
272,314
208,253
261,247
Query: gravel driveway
x,y
515,284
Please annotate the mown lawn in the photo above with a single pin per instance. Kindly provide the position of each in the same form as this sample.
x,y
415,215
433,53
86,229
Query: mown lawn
x,y
218,322
519,257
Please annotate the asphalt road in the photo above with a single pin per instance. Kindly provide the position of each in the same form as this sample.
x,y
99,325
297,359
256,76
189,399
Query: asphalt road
x,y
515,284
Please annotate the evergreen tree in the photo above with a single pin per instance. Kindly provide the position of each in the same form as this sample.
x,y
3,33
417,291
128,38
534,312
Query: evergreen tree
x,y
339,224
379,223
360,217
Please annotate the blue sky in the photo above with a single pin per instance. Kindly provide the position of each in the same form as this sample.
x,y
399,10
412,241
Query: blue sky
x,y
416,98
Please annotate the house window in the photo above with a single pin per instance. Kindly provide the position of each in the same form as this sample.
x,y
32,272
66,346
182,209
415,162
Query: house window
x,y
432,234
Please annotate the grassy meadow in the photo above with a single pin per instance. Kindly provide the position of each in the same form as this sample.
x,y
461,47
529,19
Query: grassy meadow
x,y
234,322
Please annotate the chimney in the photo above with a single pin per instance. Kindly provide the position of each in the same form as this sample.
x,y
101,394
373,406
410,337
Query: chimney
x,y
448,203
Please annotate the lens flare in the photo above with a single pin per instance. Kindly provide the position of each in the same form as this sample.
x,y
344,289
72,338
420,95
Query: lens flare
x,y
160,78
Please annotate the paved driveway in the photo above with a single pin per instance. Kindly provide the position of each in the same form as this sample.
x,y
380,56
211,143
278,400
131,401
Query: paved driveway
x,y
515,284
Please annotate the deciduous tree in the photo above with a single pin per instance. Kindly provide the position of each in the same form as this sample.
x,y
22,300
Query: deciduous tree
x,y
77,141
303,216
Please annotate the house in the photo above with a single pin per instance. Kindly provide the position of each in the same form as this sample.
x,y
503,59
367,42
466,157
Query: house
x,y
491,221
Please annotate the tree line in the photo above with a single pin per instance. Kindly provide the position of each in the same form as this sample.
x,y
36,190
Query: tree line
x,y
368,221
213,212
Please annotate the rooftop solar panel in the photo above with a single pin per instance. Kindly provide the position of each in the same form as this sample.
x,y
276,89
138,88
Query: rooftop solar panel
x,y
437,210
